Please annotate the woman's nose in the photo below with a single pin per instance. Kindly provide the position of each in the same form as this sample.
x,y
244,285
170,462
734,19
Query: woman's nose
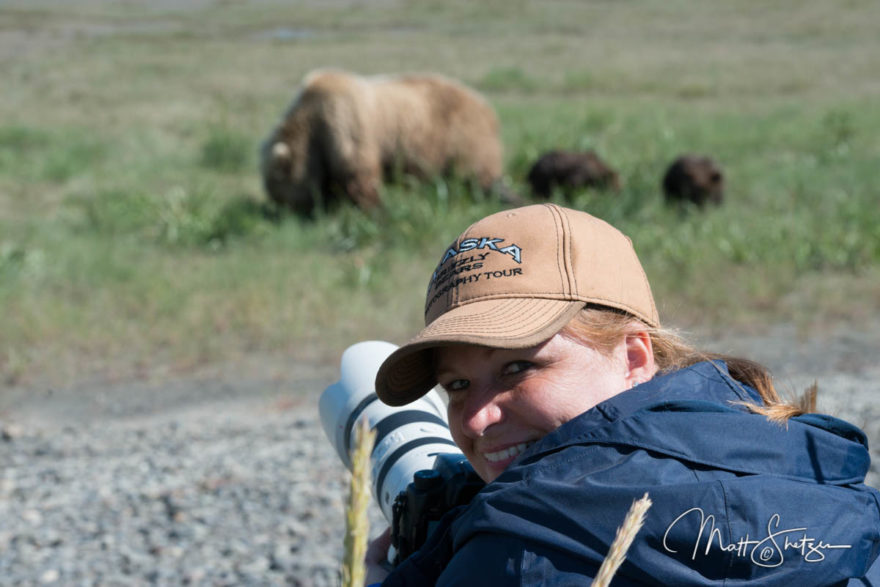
x,y
480,412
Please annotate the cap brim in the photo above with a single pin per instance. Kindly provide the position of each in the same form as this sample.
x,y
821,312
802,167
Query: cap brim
x,y
408,373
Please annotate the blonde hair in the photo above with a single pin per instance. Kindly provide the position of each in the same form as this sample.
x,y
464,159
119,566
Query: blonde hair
x,y
603,328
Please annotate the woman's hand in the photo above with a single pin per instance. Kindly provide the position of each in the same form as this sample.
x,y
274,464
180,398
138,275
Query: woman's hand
x,y
376,559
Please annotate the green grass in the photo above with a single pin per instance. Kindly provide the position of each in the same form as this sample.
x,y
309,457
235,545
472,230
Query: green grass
x,y
134,231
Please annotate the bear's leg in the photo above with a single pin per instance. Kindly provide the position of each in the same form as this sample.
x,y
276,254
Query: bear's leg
x,y
363,189
359,174
351,161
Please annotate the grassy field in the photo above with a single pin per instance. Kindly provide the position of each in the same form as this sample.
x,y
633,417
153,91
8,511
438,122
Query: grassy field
x,y
135,235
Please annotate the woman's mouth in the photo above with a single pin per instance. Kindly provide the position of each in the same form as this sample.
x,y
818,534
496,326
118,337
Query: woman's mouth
x,y
507,453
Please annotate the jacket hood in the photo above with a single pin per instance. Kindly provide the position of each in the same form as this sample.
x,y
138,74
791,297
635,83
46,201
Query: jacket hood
x,y
735,497
698,414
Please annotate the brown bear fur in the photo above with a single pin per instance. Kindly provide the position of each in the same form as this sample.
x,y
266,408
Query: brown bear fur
x,y
570,170
697,179
344,134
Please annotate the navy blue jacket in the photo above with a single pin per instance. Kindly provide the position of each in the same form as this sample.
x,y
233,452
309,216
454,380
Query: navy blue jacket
x,y
736,499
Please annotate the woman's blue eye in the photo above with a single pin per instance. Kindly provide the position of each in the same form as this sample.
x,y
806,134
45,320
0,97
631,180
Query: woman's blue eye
x,y
455,385
515,367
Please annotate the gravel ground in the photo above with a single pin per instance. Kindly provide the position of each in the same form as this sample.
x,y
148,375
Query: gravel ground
x,y
225,477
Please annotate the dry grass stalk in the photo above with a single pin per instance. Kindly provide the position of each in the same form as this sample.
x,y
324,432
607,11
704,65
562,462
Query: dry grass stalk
x,y
622,541
357,524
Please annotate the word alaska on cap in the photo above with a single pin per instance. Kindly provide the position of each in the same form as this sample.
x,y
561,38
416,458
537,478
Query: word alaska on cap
x,y
482,243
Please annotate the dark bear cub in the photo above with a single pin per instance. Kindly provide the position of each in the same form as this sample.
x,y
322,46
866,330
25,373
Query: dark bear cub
x,y
697,179
568,171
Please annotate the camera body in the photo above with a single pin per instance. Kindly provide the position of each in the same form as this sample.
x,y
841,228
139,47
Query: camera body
x,y
433,492
417,470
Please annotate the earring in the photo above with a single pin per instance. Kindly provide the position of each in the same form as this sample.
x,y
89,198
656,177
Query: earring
x,y
634,383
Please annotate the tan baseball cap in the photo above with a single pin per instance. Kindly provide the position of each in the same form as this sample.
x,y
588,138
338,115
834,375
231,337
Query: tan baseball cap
x,y
513,280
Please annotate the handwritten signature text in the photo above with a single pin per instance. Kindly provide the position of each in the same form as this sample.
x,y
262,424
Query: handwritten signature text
x,y
768,551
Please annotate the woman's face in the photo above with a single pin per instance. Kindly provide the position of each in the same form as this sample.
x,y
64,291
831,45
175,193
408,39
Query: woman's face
x,y
501,401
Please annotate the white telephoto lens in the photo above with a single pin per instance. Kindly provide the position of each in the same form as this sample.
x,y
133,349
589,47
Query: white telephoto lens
x,y
408,438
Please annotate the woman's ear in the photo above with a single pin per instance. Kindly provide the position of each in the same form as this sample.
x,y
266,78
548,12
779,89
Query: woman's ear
x,y
640,365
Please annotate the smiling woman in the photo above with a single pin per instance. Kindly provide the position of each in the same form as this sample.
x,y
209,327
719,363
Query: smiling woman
x,y
571,401
503,400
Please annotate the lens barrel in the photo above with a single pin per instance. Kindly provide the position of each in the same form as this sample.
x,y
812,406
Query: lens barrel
x,y
408,438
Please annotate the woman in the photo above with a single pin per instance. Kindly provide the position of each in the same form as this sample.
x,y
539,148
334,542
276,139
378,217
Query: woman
x,y
571,402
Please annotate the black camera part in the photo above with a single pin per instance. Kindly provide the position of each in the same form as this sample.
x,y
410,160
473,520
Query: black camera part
x,y
432,493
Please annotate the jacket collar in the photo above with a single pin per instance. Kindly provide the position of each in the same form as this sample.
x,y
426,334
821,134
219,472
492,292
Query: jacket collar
x,y
697,414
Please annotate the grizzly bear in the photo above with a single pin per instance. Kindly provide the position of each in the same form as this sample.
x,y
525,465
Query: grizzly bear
x,y
570,170
695,179
344,134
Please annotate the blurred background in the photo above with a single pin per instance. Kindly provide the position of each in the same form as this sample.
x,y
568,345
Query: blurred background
x,y
135,234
